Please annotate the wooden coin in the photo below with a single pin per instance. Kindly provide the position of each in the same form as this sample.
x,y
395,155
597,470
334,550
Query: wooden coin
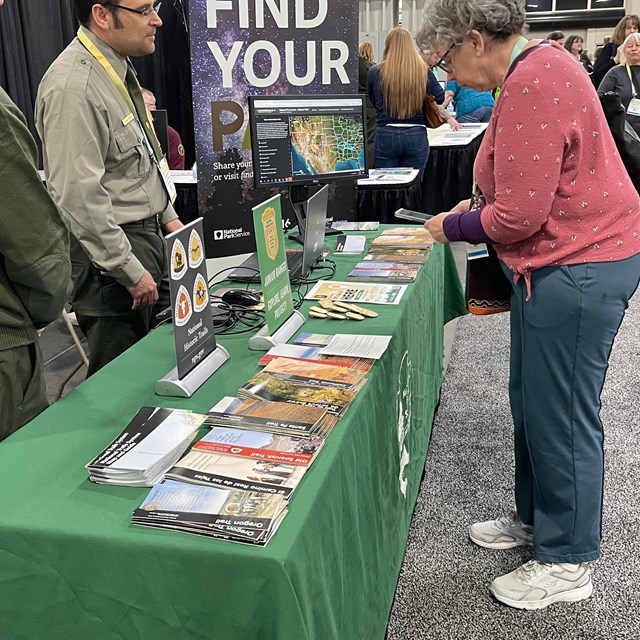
x,y
354,316
315,314
367,313
336,316
318,310
325,303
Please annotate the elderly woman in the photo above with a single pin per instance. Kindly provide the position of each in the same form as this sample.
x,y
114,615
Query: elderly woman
x,y
564,219
608,56
624,79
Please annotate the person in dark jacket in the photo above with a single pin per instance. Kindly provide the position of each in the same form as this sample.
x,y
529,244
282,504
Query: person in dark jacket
x,y
365,62
608,56
34,270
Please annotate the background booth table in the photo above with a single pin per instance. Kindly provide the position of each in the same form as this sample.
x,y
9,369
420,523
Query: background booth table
x,y
448,177
380,200
72,567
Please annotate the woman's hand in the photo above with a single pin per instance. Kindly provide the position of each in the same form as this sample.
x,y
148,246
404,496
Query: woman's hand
x,y
435,227
454,124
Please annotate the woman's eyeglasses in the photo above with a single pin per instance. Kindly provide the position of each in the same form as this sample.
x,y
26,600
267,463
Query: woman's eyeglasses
x,y
445,64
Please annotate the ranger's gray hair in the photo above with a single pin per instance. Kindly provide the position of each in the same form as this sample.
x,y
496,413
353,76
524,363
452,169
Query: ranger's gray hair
x,y
448,21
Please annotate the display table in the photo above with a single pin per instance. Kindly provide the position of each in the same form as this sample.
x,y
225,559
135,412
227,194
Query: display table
x,y
380,200
448,177
72,566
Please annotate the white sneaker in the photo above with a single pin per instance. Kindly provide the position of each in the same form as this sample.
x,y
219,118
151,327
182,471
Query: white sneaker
x,y
536,585
502,533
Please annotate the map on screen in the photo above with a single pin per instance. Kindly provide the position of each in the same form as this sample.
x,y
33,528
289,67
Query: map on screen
x,y
326,144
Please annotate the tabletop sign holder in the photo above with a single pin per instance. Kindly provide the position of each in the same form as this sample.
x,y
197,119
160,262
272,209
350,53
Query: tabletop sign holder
x,y
197,354
282,320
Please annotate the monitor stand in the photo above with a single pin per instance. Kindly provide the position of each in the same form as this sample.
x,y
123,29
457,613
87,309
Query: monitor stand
x,y
299,196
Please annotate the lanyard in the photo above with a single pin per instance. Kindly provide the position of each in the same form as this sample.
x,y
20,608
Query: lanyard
x,y
517,50
522,41
117,81
633,88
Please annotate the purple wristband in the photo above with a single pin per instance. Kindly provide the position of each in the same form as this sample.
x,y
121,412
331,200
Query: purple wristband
x,y
465,227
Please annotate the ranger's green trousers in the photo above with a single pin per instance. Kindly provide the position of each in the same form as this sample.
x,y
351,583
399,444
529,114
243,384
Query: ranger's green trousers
x,y
103,306
22,389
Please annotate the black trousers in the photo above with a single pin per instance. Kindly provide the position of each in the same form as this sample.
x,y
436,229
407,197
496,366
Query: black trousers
x,y
103,305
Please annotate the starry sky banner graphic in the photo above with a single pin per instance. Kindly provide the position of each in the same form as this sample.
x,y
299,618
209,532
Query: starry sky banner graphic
x,y
258,47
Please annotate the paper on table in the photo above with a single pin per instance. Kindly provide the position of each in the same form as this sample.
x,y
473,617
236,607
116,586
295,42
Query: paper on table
x,y
357,292
357,345
350,244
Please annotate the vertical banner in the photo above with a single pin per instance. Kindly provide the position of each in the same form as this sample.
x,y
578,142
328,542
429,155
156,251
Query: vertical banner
x,y
192,318
274,274
262,47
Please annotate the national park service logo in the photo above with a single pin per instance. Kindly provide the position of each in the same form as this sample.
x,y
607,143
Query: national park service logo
x,y
270,232
183,307
200,294
196,254
178,260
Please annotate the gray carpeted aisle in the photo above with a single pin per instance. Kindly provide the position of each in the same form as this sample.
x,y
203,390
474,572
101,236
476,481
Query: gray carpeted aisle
x,y
442,591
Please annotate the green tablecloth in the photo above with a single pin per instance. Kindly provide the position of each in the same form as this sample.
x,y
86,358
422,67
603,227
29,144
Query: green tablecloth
x,y
72,567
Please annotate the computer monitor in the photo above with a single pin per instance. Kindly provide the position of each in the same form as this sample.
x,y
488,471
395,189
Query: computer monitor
x,y
307,140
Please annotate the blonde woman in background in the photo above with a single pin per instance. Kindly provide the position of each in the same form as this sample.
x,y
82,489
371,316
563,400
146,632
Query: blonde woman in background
x,y
365,62
396,87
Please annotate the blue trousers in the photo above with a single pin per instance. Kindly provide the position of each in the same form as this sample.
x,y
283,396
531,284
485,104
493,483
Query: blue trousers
x,y
561,340
401,147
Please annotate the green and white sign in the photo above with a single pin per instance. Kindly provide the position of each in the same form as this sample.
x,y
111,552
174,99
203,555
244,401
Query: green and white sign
x,y
272,260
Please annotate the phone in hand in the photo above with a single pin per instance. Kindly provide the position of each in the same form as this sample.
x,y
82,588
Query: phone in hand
x,y
414,216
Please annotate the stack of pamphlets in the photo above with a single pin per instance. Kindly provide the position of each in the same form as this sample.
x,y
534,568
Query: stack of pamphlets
x,y
239,516
276,417
236,472
384,272
269,449
402,238
348,225
396,256
150,444
312,353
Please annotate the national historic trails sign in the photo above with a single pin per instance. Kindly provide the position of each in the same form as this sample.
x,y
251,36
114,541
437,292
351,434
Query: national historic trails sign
x,y
257,47
192,319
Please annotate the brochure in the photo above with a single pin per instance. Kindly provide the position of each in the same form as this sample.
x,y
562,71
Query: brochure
x,y
315,373
151,443
348,225
383,275
263,385
405,258
268,447
357,292
358,345
312,354
350,244
233,472
239,516
264,415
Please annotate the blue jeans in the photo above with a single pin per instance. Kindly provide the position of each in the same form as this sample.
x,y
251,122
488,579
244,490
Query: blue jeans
x,y
481,114
561,340
401,147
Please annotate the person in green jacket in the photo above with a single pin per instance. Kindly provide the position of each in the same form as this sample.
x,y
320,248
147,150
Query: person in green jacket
x,y
34,270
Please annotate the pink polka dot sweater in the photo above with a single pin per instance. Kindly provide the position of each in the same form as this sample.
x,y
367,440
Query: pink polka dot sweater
x,y
557,192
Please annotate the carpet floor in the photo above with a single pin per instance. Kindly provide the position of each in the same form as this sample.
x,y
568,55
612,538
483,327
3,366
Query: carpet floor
x,y
442,591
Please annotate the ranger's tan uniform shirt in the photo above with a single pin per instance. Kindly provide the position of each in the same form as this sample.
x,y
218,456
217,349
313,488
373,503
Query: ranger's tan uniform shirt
x,y
98,169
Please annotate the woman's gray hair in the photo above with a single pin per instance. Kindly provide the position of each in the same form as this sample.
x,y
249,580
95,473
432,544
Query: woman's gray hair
x,y
632,37
448,21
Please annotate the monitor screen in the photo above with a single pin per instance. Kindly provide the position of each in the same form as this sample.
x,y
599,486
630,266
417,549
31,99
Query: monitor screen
x,y
307,139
